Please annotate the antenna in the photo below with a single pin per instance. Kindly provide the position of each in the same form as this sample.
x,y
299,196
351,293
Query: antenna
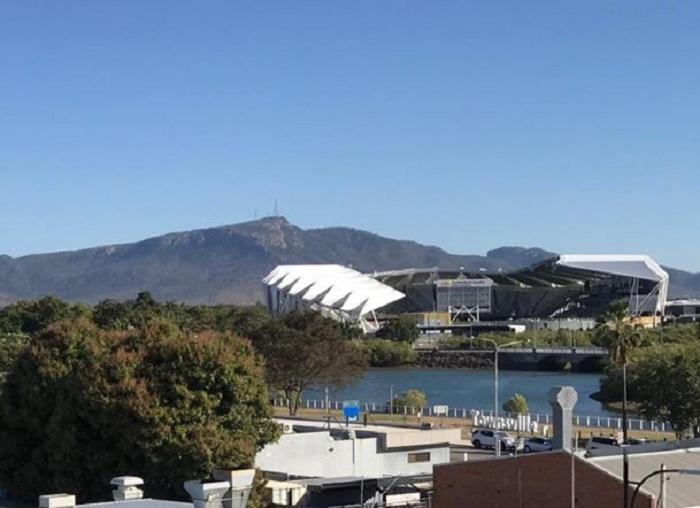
x,y
275,213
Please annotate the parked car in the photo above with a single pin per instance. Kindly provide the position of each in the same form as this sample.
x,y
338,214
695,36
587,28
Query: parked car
x,y
596,443
536,444
486,438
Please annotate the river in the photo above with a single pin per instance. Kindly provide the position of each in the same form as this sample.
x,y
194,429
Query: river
x,y
472,389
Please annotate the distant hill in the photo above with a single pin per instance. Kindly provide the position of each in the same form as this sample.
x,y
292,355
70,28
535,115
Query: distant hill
x,y
226,264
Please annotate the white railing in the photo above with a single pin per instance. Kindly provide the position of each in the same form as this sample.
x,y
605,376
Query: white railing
x,y
602,422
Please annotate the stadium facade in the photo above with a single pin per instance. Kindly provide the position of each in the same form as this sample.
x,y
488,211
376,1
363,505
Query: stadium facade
x,y
566,287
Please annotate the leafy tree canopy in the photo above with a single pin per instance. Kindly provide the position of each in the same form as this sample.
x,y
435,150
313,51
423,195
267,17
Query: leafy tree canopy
x,y
667,387
32,316
84,404
402,328
304,350
516,405
387,353
411,398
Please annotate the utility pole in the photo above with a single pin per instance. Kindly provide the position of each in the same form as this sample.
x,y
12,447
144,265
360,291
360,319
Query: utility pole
x,y
328,410
391,399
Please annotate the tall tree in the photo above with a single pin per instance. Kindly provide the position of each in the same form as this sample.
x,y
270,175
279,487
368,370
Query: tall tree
x,y
84,405
667,387
615,332
304,350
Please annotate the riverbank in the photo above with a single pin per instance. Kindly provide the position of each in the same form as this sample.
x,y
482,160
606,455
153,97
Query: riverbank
x,y
464,424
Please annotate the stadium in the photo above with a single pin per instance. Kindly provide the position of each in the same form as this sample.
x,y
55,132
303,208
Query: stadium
x,y
566,291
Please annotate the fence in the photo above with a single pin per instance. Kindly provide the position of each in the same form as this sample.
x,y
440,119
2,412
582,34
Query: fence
x,y
600,422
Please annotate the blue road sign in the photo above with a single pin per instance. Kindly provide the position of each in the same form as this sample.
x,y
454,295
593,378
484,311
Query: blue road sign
x,y
351,410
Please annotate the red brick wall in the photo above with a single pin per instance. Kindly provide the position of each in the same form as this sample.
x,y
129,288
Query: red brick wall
x,y
529,481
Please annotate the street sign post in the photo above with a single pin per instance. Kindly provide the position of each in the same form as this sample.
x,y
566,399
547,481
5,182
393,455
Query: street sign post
x,y
351,410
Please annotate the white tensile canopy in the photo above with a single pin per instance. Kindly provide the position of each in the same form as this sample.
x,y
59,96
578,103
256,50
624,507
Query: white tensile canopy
x,y
334,287
634,266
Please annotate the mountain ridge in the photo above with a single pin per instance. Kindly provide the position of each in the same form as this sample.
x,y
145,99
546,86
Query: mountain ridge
x,y
225,264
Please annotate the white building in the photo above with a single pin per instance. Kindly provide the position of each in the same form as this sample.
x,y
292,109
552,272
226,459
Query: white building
x,y
310,449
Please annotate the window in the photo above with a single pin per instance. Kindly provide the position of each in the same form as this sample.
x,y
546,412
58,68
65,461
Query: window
x,y
418,457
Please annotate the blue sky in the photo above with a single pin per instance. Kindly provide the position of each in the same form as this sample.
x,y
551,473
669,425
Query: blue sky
x,y
573,126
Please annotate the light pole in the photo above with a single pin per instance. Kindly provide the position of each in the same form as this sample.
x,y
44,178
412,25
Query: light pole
x,y
391,399
658,472
496,349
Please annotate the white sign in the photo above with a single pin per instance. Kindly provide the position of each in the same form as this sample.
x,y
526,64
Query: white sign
x,y
440,410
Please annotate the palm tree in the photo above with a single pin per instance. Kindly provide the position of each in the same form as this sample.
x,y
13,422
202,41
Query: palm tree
x,y
615,332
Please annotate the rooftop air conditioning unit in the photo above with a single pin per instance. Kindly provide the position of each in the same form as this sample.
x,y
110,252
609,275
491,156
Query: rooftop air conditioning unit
x,y
287,428
127,488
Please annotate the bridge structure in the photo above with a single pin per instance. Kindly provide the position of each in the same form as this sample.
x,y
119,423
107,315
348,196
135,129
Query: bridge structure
x,y
582,359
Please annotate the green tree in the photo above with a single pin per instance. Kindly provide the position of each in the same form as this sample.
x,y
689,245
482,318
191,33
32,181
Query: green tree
x,y
615,333
304,350
402,328
32,316
516,405
667,387
387,353
83,405
411,398
12,345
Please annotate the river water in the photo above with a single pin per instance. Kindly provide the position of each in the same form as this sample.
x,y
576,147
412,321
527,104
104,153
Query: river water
x,y
472,389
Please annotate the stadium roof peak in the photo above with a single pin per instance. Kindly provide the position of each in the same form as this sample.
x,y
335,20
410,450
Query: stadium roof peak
x,y
638,266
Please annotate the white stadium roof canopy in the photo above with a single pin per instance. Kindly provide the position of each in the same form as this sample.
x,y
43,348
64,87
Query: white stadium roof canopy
x,y
635,266
333,286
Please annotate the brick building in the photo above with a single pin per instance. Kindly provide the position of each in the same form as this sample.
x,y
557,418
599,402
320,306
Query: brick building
x,y
542,480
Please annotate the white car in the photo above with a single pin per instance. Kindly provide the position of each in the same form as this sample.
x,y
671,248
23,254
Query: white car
x,y
536,444
486,438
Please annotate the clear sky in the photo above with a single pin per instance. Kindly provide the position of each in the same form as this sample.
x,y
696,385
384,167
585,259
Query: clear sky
x,y
573,126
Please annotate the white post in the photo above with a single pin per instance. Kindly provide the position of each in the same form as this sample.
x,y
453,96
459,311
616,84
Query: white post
x,y
662,490
497,446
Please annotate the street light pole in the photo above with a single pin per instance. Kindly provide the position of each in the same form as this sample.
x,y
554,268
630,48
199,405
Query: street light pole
x,y
495,401
496,349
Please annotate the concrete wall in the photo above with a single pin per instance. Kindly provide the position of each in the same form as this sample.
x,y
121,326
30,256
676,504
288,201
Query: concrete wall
x,y
422,437
318,454
540,480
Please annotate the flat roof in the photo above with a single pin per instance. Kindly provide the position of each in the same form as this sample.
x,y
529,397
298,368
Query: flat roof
x,y
682,491
141,503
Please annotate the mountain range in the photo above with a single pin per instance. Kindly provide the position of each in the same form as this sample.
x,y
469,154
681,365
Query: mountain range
x,y
226,264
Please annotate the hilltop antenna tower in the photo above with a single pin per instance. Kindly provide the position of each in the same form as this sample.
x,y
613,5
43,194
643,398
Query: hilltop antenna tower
x,y
275,212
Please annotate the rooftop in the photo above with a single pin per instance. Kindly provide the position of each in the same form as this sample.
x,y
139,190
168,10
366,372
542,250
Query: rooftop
x,y
682,491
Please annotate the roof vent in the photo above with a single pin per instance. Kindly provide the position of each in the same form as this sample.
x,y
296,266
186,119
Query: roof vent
x,y
207,494
126,488
57,501
241,482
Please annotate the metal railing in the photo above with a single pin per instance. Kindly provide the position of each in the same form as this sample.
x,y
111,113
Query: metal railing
x,y
587,421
